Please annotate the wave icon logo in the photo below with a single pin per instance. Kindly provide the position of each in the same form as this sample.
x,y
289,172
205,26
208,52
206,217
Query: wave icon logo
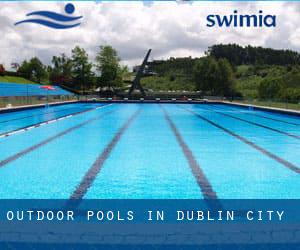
x,y
54,20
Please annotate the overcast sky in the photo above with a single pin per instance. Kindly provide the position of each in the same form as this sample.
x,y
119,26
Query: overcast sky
x,y
169,28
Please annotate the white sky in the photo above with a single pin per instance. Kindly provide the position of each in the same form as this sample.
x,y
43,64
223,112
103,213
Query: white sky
x,y
169,28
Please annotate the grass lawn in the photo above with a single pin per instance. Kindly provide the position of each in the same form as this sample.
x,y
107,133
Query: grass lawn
x,y
15,79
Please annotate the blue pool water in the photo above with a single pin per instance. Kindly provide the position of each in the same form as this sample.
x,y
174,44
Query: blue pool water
x,y
149,151
17,120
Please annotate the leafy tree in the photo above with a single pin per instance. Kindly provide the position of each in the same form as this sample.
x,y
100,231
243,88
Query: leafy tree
x,y
238,55
214,76
25,69
38,70
81,69
33,70
107,64
290,94
181,66
172,78
225,78
269,88
61,72
205,74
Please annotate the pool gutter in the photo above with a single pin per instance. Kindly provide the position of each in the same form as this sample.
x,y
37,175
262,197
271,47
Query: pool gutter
x,y
263,108
19,108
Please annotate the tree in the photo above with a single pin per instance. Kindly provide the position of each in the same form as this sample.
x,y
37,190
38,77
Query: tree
x,y
33,70
214,76
290,94
270,88
38,70
107,64
61,71
205,73
81,69
25,69
238,55
2,70
224,84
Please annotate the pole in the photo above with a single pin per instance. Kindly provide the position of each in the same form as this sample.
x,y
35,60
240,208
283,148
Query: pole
x,y
82,76
47,98
27,99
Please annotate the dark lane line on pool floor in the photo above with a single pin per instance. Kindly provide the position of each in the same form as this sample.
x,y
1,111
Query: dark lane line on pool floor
x,y
201,179
266,117
95,169
273,119
280,160
256,124
36,125
50,139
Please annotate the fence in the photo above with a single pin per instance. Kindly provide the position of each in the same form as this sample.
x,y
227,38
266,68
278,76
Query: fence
x,y
14,94
287,104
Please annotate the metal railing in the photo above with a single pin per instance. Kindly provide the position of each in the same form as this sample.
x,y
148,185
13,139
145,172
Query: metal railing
x,y
274,103
15,101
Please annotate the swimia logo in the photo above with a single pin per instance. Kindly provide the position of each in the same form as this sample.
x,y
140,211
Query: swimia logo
x,y
54,20
239,20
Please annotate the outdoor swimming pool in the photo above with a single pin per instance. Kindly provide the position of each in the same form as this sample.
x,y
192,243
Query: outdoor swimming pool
x,y
95,151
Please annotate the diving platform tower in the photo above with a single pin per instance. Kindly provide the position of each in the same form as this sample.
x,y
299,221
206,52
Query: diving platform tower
x,y
136,82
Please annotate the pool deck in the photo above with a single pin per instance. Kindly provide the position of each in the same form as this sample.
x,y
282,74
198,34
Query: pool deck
x,y
19,108
263,108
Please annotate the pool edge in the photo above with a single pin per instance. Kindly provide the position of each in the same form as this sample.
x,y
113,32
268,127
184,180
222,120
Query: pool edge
x,y
34,106
263,108
242,105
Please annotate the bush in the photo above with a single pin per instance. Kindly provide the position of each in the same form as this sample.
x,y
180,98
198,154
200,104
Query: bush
x,y
213,76
277,88
2,70
290,95
270,88
172,78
